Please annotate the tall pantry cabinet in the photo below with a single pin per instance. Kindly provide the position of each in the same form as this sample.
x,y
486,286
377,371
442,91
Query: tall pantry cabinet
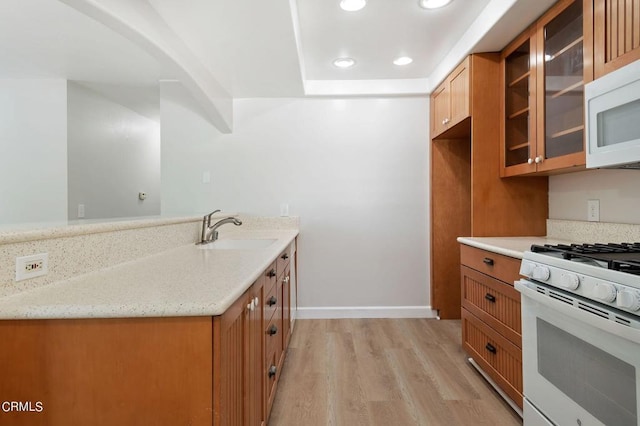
x,y
468,197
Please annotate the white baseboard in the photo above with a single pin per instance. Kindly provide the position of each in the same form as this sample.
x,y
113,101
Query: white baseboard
x,y
366,312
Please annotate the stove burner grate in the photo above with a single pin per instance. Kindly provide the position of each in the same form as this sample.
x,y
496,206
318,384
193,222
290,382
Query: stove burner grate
x,y
623,257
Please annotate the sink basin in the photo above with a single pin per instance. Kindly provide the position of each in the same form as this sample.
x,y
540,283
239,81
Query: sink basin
x,y
237,244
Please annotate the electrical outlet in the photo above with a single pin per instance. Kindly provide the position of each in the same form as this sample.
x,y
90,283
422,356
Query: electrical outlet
x,y
593,210
80,211
32,266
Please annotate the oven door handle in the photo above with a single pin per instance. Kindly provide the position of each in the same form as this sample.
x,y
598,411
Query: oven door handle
x,y
620,330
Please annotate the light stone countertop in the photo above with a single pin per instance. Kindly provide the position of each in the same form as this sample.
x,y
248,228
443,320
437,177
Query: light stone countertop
x,y
183,281
508,246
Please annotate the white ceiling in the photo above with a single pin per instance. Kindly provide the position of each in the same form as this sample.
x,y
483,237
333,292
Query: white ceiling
x,y
274,48
379,33
281,48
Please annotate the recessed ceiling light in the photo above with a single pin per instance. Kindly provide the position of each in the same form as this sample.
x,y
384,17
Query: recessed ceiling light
x,y
352,5
344,62
403,60
433,4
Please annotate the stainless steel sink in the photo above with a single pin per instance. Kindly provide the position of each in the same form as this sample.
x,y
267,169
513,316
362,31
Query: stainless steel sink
x,y
253,244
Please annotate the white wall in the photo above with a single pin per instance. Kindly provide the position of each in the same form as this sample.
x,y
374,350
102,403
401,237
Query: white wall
x,y
617,190
114,153
33,154
354,170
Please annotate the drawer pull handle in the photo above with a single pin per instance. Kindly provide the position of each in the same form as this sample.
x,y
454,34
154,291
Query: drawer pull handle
x,y
284,256
271,273
272,371
491,348
488,261
490,297
272,330
272,301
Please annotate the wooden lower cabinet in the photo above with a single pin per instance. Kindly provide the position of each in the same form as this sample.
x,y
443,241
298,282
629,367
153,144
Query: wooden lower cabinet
x,y
491,322
157,371
105,372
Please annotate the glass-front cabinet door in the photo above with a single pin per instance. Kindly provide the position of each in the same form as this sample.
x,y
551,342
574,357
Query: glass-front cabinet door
x,y
561,86
519,112
543,82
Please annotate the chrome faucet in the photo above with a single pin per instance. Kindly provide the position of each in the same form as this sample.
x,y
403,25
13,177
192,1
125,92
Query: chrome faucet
x,y
210,232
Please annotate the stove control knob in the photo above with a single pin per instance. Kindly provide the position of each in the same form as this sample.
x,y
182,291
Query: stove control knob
x,y
569,281
628,299
541,273
526,268
605,292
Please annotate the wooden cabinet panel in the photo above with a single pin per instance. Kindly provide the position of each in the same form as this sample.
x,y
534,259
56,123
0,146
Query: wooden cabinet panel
x,y
450,103
107,372
498,357
286,308
504,268
493,302
459,88
616,34
254,341
232,361
440,108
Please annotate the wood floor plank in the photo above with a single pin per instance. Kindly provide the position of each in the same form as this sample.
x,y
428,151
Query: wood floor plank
x,y
385,413
383,372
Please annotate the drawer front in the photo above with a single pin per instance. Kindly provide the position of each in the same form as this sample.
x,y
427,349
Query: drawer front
x,y
271,378
504,268
498,357
272,301
283,261
493,301
273,335
270,276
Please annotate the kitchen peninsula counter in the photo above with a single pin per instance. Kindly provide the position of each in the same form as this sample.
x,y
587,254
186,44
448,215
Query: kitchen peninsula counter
x,y
182,281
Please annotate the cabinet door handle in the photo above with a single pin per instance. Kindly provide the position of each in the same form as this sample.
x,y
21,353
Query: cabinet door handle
x,y
271,273
272,330
490,297
488,261
538,160
284,256
272,371
272,301
491,348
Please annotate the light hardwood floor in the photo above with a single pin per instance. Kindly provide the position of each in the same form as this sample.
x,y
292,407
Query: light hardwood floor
x,y
383,372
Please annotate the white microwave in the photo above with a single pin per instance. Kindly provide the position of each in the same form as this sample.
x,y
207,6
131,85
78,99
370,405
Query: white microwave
x,y
612,119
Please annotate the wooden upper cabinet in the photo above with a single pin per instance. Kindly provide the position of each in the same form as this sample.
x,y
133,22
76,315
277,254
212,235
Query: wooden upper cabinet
x,y
543,80
616,34
450,100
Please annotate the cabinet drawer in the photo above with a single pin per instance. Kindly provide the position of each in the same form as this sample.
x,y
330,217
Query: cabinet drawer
x,y
498,357
271,377
273,335
493,301
282,261
270,276
272,300
504,268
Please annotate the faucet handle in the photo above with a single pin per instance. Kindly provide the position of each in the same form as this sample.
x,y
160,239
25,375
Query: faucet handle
x,y
208,217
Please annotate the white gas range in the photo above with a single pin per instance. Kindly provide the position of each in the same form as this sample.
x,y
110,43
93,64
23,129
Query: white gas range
x,y
581,334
